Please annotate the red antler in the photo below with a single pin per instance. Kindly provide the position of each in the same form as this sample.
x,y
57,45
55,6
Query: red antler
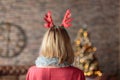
x,y
49,20
67,20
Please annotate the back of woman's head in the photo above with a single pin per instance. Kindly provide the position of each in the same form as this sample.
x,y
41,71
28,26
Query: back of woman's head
x,y
56,43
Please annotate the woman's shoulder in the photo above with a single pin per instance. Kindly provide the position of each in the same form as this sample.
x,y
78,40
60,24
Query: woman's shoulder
x,y
32,68
70,68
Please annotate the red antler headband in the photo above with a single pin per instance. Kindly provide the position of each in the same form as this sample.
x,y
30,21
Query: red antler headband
x,y
65,23
49,20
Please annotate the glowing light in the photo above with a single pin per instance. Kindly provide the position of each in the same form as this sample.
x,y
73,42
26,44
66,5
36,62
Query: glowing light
x,y
94,49
85,34
98,73
78,42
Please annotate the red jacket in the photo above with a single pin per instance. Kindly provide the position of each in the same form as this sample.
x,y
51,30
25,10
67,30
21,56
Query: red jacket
x,y
65,73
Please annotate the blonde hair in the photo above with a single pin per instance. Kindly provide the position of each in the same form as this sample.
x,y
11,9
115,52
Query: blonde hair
x,y
56,43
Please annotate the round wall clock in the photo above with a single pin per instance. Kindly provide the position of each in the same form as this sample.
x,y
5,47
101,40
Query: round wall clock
x,y
12,40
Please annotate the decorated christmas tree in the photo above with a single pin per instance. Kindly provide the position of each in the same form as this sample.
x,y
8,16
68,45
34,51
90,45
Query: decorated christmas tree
x,y
84,54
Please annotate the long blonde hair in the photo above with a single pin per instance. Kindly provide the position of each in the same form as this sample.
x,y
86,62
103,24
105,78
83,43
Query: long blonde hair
x,y
56,43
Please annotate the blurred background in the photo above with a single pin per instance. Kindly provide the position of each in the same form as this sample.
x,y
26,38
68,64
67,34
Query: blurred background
x,y
22,30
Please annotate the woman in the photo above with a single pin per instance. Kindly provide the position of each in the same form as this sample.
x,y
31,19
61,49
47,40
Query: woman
x,y
56,54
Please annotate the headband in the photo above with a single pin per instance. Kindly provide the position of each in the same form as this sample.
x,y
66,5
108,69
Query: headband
x,y
65,23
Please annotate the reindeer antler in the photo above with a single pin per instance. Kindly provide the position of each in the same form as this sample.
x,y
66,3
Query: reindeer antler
x,y
49,22
67,20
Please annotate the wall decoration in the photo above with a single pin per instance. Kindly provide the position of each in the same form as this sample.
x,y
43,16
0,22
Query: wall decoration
x,y
12,40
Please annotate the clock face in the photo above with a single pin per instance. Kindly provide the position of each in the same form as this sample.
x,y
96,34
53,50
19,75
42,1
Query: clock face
x,y
12,40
